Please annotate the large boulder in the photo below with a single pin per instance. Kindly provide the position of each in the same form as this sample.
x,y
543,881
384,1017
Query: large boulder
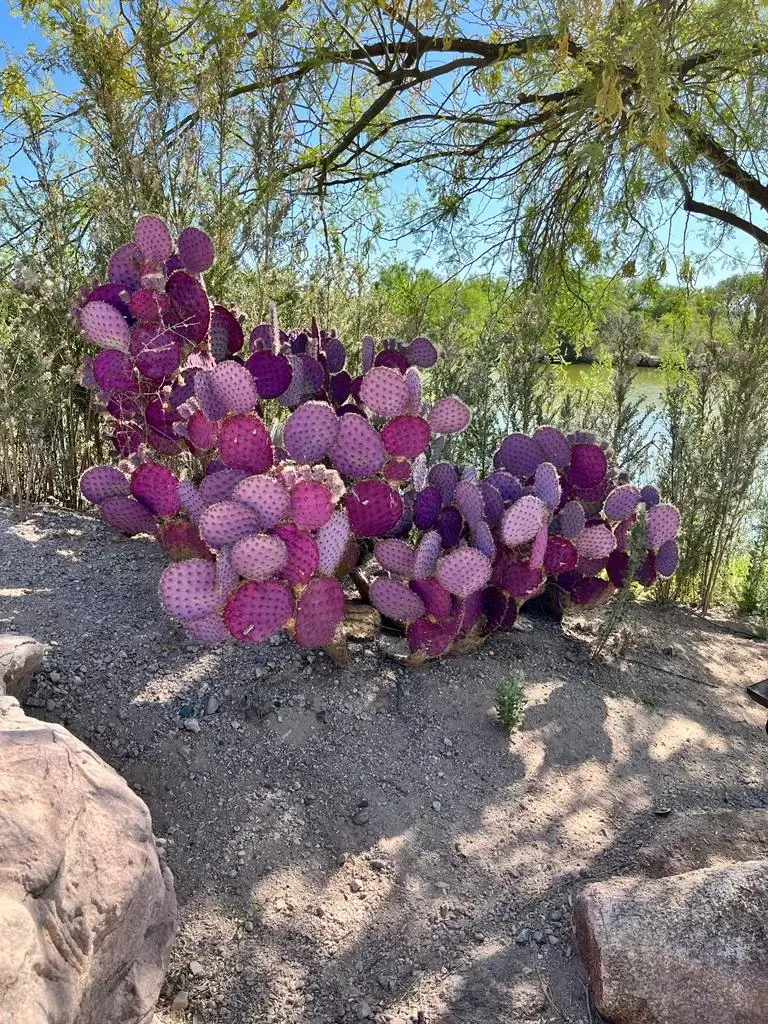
x,y
20,658
87,907
685,949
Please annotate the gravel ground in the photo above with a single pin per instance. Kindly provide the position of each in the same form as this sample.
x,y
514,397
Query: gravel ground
x,y
366,843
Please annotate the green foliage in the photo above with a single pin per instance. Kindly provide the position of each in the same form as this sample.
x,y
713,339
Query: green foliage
x,y
511,701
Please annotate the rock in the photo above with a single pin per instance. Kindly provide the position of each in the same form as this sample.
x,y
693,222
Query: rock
x,y
356,885
538,937
364,1012
379,865
180,1001
191,724
361,817
20,657
705,839
87,908
213,705
686,949
196,968
522,938
436,805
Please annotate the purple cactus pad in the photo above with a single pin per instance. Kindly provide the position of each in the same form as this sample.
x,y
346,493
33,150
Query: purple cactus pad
x,y
226,522
180,540
663,524
123,269
358,451
157,488
396,601
113,371
311,505
450,526
196,250
227,336
520,455
396,556
373,508
159,356
406,436
621,503
547,485
152,238
427,507
572,520
188,589
266,497
272,373
617,567
105,326
464,571
331,541
311,431
244,444
553,445
427,553
595,542
539,548
421,352
444,477
493,503
259,556
468,499
256,611
128,516
589,465
667,558
209,630
522,520
234,388
192,310
449,415
303,555
102,482
437,601
590,592
393,360
560,555
385,392
219,485
429,639
319,612
650,496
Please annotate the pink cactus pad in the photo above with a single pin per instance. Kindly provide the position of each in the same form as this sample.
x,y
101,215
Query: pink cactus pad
x,y
153,238
272,373
368,349
437,600
202,433
522,520
234,388
113,371
422,352
621,503
244,443
522,580
179,539
190,302
396,556
430,639
572,520
426,507
650,495
595,542
538,548
617,567
159,356
311,505
427,554
319,612
256,611
385,392
303,556
188,589
148,306
444,477
560,555
449,415
553,445
406,436
358,450
482,538
520,455
493,503
102,482
311,431
266,497
667,558
468,499
397,471
227,577
123,269
590,591
226,522
450,525
663,524
464,571
259,556
547,485
220,485
196,250
332,540
589,465
105,326
373,508
396,601
210,630
156,487
413,380
128,516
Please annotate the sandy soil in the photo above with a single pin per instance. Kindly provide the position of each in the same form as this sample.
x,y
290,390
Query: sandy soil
x,y
367,843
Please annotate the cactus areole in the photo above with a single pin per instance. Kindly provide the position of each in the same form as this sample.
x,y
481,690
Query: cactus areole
x,y
273,476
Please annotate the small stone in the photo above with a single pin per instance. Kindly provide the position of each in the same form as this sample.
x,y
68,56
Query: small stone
x,y
196,968
364,1012
249,926
479,937
213,705
538,937
50,705
180,1001
342,859
356,885
378,864
436,805
523,937
361,817
556,915
553,940
55,677
191,725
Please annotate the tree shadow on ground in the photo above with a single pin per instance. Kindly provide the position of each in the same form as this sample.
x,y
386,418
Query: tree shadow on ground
x,y
338,850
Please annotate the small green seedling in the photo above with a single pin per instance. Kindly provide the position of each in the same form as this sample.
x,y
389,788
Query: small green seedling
x,y
510,702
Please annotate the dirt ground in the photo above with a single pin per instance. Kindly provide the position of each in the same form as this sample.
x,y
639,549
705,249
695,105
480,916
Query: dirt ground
x,y
366,843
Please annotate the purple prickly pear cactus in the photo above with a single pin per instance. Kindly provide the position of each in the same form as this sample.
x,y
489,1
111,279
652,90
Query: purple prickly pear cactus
x,y
256,611
396,601
196,250
319,613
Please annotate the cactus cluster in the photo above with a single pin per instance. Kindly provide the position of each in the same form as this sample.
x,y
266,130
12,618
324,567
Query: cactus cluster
x,y
294,471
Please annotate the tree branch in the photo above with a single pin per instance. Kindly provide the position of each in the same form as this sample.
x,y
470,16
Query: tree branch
x,y
691,205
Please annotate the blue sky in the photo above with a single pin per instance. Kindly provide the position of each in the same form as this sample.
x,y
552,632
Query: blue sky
x,y
684,236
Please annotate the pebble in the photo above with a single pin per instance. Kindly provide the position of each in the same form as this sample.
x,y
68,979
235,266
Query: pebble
x,y
379,865
191,725
556,915
538,937
522,937
55,677
356,885
361,817
436,805
364,1012
180,1001
553,940
196,968
213,705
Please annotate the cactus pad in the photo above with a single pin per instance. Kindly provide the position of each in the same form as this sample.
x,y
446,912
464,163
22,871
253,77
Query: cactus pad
x,y
272,373
331,541
192,309
102,482
244,444
226,522
589,465
560,555
319,612
303,555
180,539
493,503
667,558
265,496
311,505
310,431
422,352
521,521
259,556
449,415
188,589
219,486
396,601
444,477
256,611
595,542
396,556
385,392
105,326
234,388
508,486
358,451
159,356
437,600
157,488
650,496
123,269
547,485
430,639
621,503
450,525
468,499
482,539
152,237
427,553
553,445
539,548
196,250
464,571
373,508
520,455
406,436
128,515
113,371
663,524
572,520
